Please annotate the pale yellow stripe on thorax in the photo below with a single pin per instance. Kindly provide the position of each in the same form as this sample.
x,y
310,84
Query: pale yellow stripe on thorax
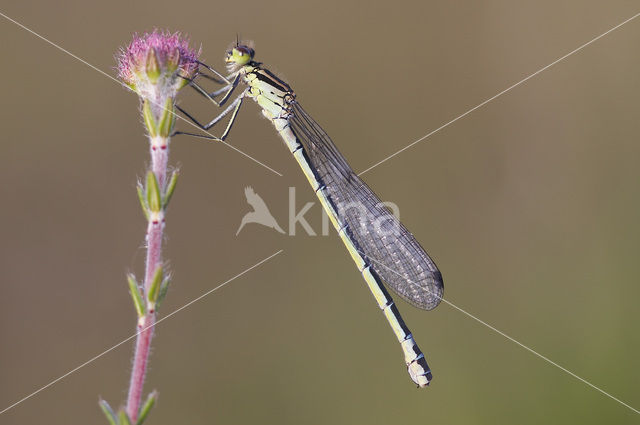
x,y
270,98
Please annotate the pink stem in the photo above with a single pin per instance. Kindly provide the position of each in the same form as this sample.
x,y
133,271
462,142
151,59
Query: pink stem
x,y
159,156
159,151
140,359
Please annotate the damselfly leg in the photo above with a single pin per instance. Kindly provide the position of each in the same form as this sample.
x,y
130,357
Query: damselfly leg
x,y
222,78
232,109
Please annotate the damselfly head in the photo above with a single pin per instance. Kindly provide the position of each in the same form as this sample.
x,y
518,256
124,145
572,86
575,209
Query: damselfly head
x,y
238,56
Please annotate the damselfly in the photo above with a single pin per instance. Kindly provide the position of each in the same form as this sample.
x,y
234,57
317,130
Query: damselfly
x,y
382,248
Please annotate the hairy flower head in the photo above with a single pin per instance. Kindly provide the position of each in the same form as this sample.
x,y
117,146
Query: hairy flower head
x,y
156,64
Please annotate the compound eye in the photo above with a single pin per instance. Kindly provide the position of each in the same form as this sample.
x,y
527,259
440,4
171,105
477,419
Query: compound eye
x,y
244,50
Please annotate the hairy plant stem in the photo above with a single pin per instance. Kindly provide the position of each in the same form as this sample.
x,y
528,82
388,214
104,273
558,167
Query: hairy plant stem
x,y
159,150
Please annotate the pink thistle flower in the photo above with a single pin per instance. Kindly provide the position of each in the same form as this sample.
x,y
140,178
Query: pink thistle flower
x,y
156,64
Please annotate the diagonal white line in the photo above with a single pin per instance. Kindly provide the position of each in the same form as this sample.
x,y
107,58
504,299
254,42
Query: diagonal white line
x,y
546,359
120,83
501,93
532,351
136,334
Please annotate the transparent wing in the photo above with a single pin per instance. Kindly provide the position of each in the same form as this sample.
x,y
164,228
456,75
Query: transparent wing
x,y
391,250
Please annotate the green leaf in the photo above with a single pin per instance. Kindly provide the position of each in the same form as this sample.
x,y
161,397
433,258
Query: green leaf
x,y
164,287
168,118
154,288
124,418
136,295
147,406
170,188
143,202
149,121
108,412
154,201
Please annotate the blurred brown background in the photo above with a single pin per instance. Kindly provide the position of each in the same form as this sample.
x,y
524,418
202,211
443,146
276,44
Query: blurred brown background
x,y
529,205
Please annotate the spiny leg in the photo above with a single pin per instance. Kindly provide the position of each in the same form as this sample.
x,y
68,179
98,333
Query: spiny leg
x,y
210,77
226,97
222,77
219,91
201,136
229,89
203,92
216,119
232,120
211,96
233,108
